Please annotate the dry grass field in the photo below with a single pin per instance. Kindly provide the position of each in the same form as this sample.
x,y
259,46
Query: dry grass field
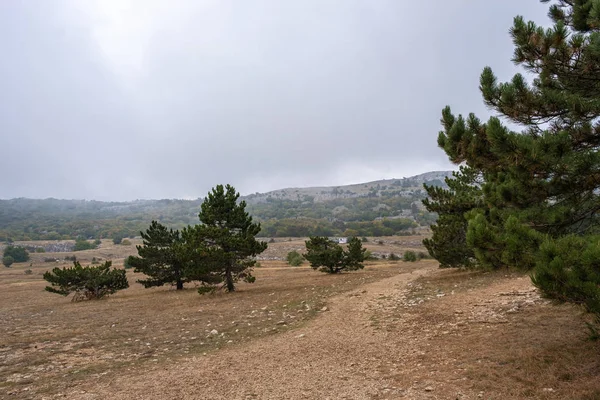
x,y
392,330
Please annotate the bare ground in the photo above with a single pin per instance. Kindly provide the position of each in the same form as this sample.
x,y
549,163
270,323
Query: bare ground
x,y
403,330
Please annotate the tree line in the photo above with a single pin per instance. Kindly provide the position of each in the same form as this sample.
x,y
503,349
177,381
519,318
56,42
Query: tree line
x,y
217,252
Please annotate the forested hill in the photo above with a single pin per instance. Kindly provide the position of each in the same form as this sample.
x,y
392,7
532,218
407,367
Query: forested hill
x,y
369,209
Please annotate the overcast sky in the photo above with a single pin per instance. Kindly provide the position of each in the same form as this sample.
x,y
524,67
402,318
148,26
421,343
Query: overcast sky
x,y
140,99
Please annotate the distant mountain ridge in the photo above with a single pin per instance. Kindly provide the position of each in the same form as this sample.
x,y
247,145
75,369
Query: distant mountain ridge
x,y
324,193
282,212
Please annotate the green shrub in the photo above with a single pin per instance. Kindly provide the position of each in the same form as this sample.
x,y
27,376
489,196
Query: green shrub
x,y
409,256
125,242
328,256
40,250
117,240
8,261
127,264
28,272
18,254
71,258
81,244
49,259
86,282
393,257
294,258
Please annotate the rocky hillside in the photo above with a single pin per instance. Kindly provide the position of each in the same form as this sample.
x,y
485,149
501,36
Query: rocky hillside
x,y
401,187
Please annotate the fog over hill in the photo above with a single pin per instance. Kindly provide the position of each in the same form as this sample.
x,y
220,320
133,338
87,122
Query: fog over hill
x,y
323,193
371,209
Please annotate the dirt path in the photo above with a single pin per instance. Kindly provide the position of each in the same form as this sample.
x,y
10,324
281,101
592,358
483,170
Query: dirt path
x,y
337,355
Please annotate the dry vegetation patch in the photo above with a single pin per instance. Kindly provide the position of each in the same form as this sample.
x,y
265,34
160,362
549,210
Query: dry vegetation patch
x,y
488,335
424,333
48,343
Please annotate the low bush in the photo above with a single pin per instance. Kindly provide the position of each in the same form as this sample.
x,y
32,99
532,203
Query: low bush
x,y
8,261
294,258
393,257
86,283
81,244
409,256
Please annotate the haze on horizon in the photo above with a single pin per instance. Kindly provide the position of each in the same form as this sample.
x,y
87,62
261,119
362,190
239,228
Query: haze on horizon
x,y
141,99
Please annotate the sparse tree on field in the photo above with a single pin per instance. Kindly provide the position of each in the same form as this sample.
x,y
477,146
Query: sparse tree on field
x,y
227,237
162,257
328,256
355,255
92,282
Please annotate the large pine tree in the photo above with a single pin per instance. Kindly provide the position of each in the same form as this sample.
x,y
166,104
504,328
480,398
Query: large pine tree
x,y
541,190
227,236
162,257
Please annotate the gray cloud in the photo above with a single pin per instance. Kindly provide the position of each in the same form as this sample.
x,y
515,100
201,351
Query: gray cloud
x,y
161,99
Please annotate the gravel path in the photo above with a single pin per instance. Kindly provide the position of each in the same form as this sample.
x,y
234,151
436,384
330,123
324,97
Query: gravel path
x,y
337,355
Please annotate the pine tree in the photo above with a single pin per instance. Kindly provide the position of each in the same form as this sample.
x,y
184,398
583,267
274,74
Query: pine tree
x,y
163,257
541,184
448,243
92,282
328,256
356,254
227,235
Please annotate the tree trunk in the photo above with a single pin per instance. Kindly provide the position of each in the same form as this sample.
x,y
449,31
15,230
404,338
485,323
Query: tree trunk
x,y
229,280
179,284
